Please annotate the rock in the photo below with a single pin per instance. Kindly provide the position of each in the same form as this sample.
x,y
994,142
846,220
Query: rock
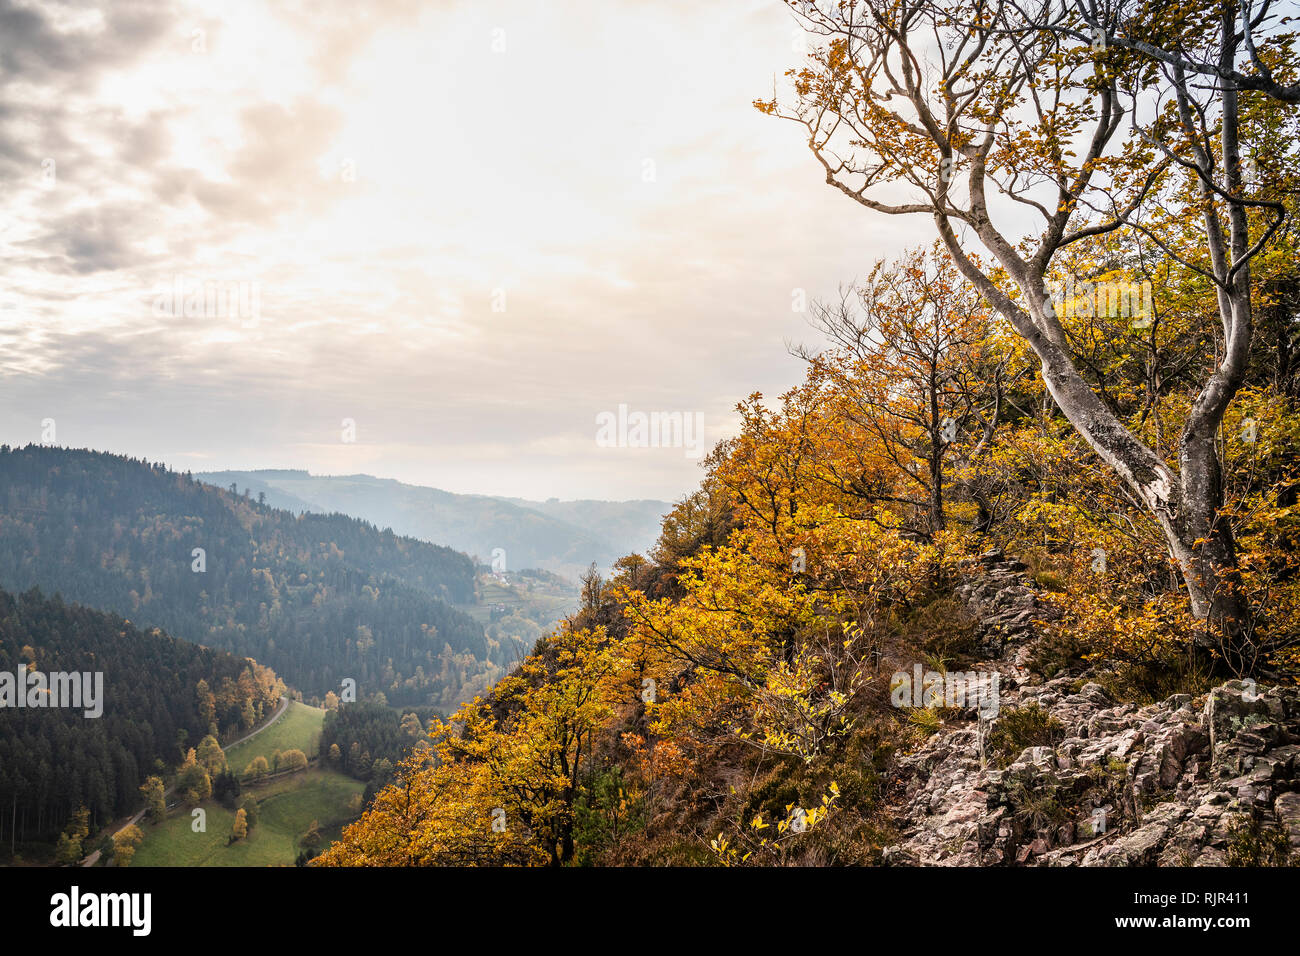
x,y
1287,808
1160,749
1208,765
1227,710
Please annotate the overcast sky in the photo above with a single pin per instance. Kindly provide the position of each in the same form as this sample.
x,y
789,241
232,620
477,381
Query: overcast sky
x,y
467,228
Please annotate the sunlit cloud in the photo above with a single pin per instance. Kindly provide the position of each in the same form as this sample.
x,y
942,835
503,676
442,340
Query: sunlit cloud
x,y
470,228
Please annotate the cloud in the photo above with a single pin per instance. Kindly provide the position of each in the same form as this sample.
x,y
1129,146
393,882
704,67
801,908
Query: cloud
x,y
471,229
42,43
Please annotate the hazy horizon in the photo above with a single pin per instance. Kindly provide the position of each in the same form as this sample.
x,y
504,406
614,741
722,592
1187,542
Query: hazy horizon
x,y
364,474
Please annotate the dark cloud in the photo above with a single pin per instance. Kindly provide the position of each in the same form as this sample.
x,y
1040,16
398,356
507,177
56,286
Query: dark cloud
x,y
34,50
101,153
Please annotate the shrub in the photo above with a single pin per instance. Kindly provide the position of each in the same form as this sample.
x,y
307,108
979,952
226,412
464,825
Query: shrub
x,y
1250,844
1016,730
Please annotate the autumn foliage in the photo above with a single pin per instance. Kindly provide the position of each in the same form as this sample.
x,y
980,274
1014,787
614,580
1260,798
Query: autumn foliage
x,y
725,699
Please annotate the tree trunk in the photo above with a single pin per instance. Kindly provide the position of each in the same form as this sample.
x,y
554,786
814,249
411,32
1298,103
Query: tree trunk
x,y
1186,507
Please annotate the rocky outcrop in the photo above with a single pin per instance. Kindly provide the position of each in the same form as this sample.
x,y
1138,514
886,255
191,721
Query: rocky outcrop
x,y
1000,595
1189,781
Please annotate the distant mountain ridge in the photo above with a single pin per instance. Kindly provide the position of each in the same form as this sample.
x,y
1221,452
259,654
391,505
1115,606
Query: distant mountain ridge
x,y
560,536
321,598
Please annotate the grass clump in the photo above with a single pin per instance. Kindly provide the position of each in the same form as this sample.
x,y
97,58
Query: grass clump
x,y
1017,730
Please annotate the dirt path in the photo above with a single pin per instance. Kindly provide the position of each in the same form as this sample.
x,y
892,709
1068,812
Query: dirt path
x,y
284,707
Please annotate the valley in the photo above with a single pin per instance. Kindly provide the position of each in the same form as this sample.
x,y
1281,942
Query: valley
x,y
286,805
331,601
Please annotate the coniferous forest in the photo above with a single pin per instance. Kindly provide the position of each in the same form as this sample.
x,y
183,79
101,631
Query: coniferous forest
x,y
316,597
162,696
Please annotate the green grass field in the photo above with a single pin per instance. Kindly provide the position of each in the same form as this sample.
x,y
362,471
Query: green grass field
x,y
298,729
286,808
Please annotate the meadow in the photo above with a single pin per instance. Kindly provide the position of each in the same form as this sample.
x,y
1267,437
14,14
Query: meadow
x,y
286,806
286,809
298,729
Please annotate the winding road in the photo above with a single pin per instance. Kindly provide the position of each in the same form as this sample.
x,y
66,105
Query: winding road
x,y
280,712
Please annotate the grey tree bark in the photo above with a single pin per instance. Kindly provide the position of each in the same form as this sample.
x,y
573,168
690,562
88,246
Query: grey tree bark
x,y
999,73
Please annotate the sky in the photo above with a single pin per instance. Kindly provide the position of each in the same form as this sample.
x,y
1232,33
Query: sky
x,y
438,242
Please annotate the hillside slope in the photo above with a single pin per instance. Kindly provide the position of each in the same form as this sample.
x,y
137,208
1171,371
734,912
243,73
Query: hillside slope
x,y
320,598
54,759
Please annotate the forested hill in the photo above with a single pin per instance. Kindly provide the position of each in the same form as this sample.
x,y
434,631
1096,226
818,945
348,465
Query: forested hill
x,y
320,598
909,616
159,696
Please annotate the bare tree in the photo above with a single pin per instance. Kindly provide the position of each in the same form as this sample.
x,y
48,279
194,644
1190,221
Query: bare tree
x,y
921,97
911,356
